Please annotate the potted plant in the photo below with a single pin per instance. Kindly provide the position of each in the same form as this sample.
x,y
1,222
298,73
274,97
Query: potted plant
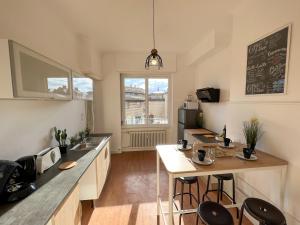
x,y
82,135
73,140
252,132
61,137
87,132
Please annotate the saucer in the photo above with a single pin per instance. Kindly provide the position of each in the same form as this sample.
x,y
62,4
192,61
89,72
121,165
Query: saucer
x,y
206,162
241,156
223,146
188,147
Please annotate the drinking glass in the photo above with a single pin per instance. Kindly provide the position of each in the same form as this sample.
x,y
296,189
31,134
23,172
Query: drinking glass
x,y
212,154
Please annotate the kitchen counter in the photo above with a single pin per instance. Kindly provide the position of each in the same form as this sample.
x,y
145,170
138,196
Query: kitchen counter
x,y
202,134
204,139
53,187
200,131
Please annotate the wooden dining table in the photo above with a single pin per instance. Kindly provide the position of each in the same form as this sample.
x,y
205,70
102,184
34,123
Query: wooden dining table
x,y
179,164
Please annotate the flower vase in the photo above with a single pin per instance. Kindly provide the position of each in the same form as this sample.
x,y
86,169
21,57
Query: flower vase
x,y
63,149
252,147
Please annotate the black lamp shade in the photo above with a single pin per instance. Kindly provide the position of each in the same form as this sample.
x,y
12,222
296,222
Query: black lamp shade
x,y
153,60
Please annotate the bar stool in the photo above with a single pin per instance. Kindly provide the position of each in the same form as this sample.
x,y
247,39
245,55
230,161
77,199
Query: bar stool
x,y
189,181
212,213
220,190
264,212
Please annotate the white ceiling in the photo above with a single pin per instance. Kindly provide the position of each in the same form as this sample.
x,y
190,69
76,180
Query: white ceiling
x,y
126,25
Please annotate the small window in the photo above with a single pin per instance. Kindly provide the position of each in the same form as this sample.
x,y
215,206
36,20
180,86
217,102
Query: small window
x,y
58,85
145,100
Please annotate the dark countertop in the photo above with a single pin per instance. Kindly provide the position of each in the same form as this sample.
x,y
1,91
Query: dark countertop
x,y
53,187
199,133
204,139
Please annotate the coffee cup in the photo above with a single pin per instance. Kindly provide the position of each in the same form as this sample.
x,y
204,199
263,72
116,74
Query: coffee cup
x,y
227,142
201,154
247,153
184,143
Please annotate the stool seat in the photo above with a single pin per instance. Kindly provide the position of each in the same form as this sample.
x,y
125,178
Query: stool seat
x,y
212,213
226,176
264,212
188,180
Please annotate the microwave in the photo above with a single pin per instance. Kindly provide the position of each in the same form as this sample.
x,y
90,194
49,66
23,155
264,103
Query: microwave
x,y
190,105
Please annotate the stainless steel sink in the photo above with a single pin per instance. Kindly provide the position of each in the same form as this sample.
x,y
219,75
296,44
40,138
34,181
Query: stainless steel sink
x,y
84,147
91,144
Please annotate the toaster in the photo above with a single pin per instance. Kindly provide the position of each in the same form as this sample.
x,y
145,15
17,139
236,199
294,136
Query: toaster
x,y
47,158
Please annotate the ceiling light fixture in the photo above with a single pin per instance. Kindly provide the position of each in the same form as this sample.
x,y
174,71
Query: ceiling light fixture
x,y
154,59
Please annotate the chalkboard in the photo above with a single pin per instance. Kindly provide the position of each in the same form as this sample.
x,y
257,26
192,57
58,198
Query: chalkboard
x,y
267,63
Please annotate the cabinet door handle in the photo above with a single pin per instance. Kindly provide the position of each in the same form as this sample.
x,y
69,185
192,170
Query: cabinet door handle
x,y
105,153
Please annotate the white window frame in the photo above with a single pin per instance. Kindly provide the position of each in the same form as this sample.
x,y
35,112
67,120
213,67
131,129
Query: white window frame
x,y
146,77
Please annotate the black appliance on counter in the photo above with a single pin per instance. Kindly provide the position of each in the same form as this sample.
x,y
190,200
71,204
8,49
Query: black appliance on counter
x,y
208,94
187,119
16,178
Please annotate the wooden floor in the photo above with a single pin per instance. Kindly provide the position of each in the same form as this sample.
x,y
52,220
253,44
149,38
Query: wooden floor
x,y
129,195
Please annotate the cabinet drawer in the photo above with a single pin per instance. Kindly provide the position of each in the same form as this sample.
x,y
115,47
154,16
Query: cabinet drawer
x,y
92,181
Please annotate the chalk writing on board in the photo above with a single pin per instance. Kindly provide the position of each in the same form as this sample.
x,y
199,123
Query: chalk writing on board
x,y
267,64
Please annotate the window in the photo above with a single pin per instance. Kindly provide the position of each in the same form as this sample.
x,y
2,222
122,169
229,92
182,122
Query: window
x,y
145,100
58,85
82,87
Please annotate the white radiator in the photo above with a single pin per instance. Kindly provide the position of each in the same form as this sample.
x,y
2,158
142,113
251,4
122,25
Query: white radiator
x,y
147,139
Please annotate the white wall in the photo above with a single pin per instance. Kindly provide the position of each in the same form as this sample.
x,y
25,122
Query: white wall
x,y
108,103
108,96
226,69
183,85
25,125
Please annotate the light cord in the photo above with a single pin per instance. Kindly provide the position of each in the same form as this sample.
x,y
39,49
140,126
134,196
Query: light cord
x,y
153,25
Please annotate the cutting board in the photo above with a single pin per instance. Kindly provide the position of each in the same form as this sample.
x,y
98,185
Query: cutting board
x,y
209,135
199,131
67,165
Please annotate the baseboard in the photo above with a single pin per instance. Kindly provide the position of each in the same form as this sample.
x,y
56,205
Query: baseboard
x,y
119,151
137,149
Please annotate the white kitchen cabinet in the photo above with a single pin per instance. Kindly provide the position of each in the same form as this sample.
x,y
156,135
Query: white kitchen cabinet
x,y
83,87
104,162
101,171
51,221
69,213
190,138
25,73
92,181
88,183
108,158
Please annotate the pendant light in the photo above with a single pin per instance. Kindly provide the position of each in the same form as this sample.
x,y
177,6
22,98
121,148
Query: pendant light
x,y
154,59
